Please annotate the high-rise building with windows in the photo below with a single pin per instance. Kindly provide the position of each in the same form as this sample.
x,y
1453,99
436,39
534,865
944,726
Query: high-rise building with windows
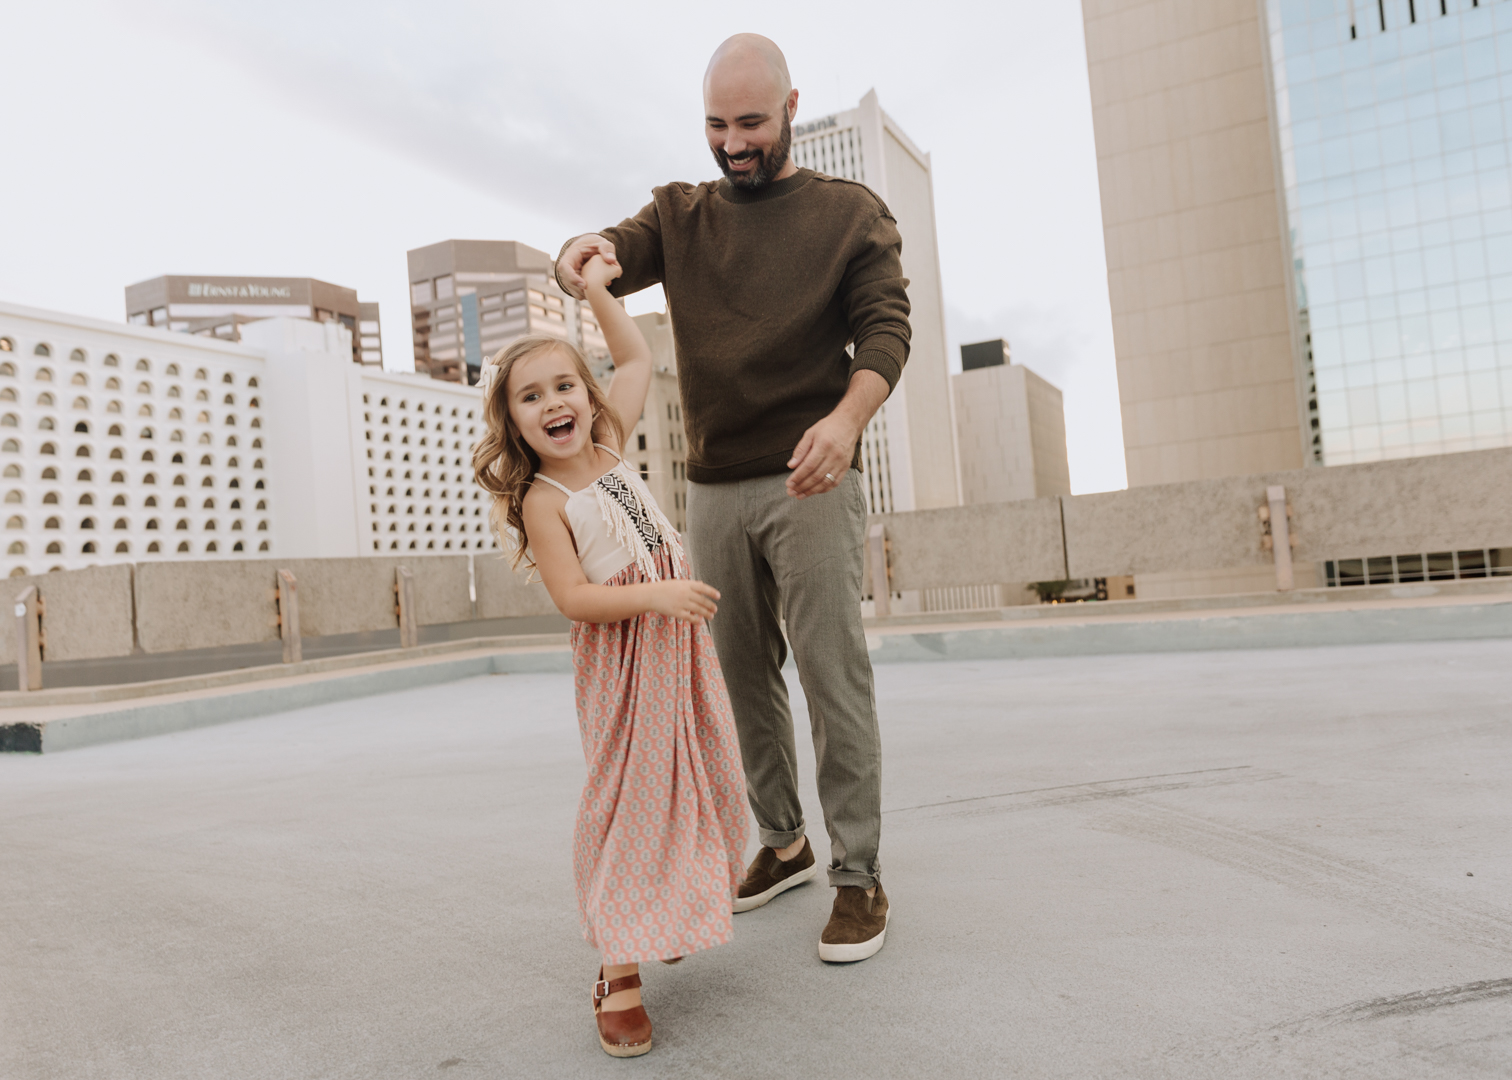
x,y
1308,219
908,449
219,307
1393,132
470,298
1307,215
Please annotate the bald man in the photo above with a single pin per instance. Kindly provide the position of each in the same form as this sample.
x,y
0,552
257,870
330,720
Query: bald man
x,y
791,324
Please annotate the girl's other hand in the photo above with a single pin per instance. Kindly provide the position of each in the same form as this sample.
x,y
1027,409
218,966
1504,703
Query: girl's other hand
x,y
688,601
598,274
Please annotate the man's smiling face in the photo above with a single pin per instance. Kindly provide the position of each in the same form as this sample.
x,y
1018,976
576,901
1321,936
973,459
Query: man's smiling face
x,y
748,110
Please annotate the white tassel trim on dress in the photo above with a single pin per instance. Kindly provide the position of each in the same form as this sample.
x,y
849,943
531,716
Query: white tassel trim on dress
x,y
625,531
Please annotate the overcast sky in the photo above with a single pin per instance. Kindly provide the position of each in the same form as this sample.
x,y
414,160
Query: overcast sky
x,y
324,139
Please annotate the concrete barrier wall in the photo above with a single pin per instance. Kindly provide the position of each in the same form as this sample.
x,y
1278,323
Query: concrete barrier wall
x,y
504,594
1444,503
202,605
1440,503
974,545
1201,525
193,605
88,613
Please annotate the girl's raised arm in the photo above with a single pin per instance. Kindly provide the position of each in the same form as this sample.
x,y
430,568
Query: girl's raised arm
x,y
627,345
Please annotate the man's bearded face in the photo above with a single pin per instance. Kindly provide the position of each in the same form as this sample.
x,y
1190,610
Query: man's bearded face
x,y
770,163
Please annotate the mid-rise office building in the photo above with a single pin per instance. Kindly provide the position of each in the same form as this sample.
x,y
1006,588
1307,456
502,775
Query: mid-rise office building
x,y
369,343
657,446
1010,426
219,306
470,298
125,443
909,448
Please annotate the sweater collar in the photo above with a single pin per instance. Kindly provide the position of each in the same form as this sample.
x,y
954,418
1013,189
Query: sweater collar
x,y
775,190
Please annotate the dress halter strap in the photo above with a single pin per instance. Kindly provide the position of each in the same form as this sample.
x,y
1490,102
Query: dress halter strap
x,y
563,488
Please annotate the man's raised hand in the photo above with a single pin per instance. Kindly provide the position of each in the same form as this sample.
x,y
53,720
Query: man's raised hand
x,y
569,268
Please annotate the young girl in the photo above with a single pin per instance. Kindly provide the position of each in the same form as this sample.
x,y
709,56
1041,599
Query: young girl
x,y
661,826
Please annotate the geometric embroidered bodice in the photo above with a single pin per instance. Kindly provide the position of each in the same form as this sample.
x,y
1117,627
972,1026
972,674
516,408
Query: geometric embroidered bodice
x,y
615,522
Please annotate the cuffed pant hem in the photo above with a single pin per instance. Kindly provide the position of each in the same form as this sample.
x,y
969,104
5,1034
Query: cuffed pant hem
x,y
780,840
852,877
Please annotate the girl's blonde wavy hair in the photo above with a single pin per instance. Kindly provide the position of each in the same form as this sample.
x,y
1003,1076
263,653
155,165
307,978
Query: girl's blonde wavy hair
x,y
503,462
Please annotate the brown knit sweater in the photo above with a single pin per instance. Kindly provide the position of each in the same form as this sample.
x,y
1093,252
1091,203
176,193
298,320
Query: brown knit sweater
x,y
766,289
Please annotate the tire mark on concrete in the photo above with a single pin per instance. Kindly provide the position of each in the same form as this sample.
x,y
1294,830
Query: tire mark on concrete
x,y
1091,789
1275,1049
1395,1005
1318,872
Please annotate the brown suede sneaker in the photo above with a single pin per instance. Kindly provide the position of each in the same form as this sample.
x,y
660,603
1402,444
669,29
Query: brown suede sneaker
x,y
768,875
857,925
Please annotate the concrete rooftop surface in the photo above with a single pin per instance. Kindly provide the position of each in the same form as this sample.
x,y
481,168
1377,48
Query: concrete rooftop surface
x,y
1220,864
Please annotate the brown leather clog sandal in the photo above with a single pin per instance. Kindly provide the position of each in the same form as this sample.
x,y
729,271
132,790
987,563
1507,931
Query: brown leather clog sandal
x,y
623,1032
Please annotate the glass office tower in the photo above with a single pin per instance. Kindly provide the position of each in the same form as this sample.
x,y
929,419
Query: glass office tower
x,y
1394,127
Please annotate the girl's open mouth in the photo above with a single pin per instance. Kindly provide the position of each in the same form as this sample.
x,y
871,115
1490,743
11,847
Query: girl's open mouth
x,y
560,430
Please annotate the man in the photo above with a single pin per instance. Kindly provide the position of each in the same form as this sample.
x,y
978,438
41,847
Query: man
x,y
770,274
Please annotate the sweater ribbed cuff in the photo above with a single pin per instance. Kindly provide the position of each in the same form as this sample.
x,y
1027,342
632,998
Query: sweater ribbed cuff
x,y
883,354
556,265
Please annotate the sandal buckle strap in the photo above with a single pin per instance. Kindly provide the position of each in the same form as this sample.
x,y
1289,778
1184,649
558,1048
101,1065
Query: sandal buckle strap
x,y
601,990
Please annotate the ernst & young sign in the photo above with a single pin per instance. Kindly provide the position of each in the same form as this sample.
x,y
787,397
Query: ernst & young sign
x,y
205,290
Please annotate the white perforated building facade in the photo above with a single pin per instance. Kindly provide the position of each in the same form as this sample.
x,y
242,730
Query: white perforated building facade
x,y
118,444
121,443
417,437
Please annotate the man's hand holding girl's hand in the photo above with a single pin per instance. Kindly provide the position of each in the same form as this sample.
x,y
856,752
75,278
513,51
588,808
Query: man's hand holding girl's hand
x,y
569,267
689,601
598,272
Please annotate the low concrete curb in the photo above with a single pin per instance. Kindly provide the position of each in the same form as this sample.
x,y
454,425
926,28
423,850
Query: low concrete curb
x,y
65,727
1199,633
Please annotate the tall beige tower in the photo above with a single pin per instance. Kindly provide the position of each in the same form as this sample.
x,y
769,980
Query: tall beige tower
x,y
909,447
1203,323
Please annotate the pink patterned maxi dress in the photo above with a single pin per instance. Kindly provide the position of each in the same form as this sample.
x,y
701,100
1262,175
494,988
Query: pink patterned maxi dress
x,y
662,824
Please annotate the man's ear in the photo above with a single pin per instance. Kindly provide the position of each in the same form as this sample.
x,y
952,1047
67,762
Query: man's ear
x,y
792,105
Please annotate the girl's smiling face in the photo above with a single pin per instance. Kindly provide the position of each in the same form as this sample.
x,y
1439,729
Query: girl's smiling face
x,y
549,403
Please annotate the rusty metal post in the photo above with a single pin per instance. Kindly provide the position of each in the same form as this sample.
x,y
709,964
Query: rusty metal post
x,y
1280,530
288,618
29,639
404,589
881,572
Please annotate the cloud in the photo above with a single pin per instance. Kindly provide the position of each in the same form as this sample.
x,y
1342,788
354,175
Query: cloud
x,y
486,94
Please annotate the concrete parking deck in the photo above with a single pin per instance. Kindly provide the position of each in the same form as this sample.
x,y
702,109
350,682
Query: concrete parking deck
x,y
1223,864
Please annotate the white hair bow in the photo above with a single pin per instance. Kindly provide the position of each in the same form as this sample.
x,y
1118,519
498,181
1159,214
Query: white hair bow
x,y
487,377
